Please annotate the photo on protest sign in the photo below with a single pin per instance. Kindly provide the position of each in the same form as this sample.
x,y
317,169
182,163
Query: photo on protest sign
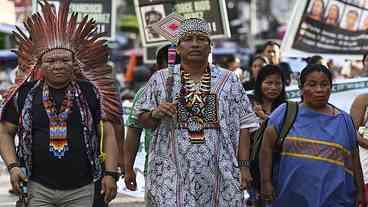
x,y
151,15
350,19
363,25
333,13
329,28
150,11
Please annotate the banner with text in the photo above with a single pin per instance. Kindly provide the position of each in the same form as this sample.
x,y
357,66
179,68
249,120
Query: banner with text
x,y
102,11
152,11
328,27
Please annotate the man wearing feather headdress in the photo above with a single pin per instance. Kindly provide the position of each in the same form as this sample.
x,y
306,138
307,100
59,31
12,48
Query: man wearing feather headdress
x,y
199,150
61,117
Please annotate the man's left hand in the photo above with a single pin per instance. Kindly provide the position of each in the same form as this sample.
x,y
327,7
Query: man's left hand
x,y
109,188
245,178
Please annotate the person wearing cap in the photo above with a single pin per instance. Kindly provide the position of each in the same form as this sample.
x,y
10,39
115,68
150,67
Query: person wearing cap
x,y
199,151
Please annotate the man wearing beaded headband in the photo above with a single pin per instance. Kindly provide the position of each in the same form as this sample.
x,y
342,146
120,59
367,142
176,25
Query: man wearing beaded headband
x,y
57,117
201,159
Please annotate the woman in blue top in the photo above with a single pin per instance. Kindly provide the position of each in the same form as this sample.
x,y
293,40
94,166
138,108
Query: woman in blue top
x,y
318,163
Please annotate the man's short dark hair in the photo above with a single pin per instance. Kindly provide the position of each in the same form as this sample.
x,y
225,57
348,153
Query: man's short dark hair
x,y
270,43
161,56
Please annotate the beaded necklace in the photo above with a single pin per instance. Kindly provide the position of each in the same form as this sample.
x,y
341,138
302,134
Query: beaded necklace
x,y
194,97
58,142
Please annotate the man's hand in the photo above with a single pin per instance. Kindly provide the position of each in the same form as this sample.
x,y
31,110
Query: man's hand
x,y
164,109
130,180
245,178
108,188
267,192
16,177
363,142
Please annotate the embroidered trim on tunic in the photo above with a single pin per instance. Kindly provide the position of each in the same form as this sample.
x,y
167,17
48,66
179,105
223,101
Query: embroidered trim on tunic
x,y
318,150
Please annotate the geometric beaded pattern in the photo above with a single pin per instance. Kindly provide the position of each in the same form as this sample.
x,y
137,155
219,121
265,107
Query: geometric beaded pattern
x,y
193,25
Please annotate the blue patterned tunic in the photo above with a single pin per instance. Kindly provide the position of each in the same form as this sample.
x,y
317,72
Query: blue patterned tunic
x,y
315,169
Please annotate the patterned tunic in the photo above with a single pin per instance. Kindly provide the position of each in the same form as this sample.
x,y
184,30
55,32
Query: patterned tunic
x,y
315,167
184,174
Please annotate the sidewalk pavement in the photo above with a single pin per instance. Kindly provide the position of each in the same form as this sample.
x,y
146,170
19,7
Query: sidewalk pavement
x,y
8,200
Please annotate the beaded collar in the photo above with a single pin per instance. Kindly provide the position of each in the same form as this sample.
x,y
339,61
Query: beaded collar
x,y
58,142
192,104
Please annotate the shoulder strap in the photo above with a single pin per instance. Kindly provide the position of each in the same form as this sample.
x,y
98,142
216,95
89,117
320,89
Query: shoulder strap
x,y
289,118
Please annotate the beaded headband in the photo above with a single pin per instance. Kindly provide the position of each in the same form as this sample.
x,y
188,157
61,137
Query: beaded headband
x,y
193,25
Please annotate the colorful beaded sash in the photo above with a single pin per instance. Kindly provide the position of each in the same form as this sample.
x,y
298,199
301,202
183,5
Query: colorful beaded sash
x,y
58,142
197,108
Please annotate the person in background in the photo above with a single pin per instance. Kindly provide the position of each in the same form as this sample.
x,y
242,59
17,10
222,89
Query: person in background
x,y
135,129
271,50
269,91
359,113
258,62
316,59
288,73
232,63
318,162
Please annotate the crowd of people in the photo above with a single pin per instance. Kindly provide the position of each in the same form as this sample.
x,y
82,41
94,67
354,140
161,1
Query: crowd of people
x,y
198,119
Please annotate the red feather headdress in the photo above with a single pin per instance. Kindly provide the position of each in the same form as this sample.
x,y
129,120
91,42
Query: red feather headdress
x,y
52,30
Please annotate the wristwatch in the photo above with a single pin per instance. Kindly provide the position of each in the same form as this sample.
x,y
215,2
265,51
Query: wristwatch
x,y
114,175
13,165
244,163
156,114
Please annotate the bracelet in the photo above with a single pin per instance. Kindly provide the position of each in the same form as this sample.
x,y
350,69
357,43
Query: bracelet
x,y
13,165
115,175
155,115
244,163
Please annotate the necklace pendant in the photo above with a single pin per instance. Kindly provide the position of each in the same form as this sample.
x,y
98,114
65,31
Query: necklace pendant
x,y
197,137
58,147
196,130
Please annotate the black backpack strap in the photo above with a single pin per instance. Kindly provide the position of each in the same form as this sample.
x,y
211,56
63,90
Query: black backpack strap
x,y
289,118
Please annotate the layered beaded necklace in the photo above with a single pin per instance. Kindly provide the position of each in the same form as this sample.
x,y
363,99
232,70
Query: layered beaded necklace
x,y
58,142
194,97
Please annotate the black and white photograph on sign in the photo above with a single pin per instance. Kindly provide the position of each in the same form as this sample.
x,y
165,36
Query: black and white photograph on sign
x,y
333,13
316,10
150,11
350,19
341,30
151,15
363,26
